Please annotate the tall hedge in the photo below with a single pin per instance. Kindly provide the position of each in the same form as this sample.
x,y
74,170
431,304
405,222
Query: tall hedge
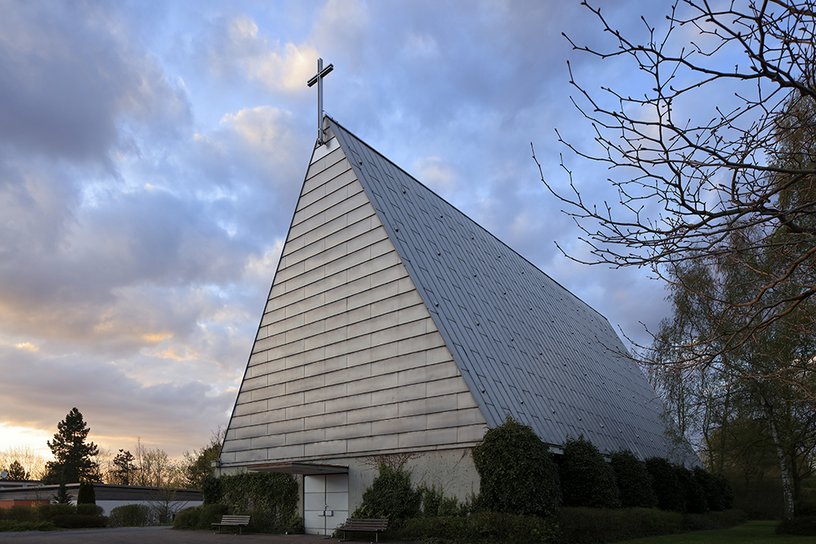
x,y
694,497
718,493
516,471
634,483
666,485
270,498
586,479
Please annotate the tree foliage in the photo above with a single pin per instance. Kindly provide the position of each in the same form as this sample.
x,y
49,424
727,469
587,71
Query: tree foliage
x,y
16,472
72,454
391,495
634,484
86,494
124,469
199,464
666,485
713,135
270,498
586,479
516,471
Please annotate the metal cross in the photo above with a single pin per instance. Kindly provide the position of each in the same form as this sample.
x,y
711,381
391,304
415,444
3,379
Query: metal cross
x,y
318,78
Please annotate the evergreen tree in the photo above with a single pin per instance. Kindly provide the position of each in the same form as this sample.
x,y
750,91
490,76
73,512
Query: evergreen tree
x,y
124,468
516,471
634,483
72,454
16,472
586,479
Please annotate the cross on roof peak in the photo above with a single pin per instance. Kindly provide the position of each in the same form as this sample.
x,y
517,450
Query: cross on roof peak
x,y
318,78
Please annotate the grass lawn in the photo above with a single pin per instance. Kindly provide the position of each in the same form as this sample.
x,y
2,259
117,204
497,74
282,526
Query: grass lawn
x,y
753,532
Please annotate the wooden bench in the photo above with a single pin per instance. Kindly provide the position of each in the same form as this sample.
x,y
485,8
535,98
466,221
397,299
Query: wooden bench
x,y
232,521
364,525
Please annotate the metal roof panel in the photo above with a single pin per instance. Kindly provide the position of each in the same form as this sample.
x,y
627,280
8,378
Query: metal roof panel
x,y
525,345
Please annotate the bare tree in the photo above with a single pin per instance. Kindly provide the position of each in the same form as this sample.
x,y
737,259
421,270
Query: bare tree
x,y
720,138
32,462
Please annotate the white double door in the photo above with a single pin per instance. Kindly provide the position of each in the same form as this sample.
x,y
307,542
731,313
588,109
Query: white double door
x,y
325,503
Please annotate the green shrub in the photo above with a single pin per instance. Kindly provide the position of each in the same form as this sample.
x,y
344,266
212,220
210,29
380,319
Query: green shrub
x,y
516,471
47,512
715,489
592,525
435,503
211,513
724,491
634,483
86,494
187,518
694,498
78,521
586,479
211,489
481,527
295,525
22,513
665,484
89,509
131,515
270,498
11,525
804,526
390,496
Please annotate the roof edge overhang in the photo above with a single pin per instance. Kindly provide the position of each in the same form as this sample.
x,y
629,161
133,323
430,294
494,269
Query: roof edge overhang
x,y
307,469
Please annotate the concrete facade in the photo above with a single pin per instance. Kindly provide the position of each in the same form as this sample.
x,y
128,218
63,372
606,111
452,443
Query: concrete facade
x,y
347,360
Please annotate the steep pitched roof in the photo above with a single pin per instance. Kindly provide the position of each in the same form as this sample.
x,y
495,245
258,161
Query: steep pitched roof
x,y
525,345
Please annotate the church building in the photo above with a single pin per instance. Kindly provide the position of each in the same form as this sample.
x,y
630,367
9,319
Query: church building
x,y
396,325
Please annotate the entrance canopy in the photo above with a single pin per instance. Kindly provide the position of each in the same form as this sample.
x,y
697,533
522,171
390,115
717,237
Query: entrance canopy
x,y
309,469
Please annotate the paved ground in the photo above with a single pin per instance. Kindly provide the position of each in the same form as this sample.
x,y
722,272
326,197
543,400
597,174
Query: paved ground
x,y
154,535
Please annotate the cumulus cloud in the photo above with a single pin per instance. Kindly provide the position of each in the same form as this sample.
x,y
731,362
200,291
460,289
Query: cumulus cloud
x,y
237,47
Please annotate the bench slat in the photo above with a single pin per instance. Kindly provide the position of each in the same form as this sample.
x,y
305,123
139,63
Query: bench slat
x,y
228,520
364,525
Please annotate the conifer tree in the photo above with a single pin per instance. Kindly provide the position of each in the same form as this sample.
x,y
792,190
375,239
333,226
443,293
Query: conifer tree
x,y
72,454
16,472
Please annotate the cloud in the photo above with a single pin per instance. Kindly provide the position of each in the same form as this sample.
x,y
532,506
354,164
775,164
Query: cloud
x,y
68,79
237,48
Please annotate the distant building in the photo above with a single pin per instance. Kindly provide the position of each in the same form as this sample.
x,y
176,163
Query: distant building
x,y
397,325
108,496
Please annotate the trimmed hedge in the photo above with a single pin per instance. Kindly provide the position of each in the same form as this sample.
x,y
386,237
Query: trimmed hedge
x,y
714,520
599,525
47,512
481,527
586,479
131,515
11,525
79,521
516,471
200,517
270,498
595,525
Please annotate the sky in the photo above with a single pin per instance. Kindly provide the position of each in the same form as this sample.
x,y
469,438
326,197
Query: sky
x,y
151,154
